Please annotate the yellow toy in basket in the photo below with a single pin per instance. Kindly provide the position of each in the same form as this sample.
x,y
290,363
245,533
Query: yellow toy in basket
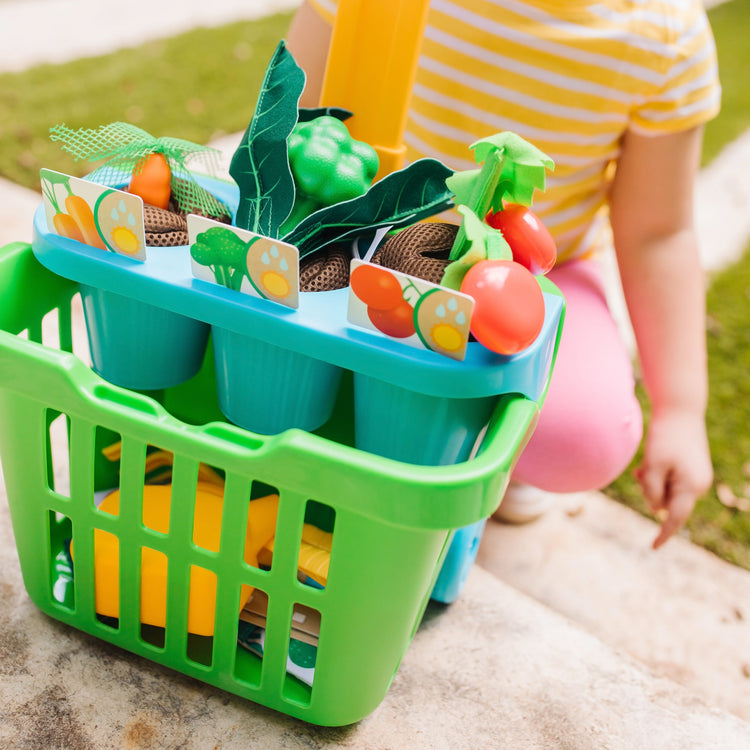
x,y
261,527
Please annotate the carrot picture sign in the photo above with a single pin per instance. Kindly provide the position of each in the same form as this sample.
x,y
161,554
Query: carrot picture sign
x,y
96,215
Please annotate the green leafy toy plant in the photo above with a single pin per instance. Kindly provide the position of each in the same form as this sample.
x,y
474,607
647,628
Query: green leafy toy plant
x,y
268,189
508,303
511,169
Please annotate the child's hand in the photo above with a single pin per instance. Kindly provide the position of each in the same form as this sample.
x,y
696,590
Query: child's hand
x,y
676,468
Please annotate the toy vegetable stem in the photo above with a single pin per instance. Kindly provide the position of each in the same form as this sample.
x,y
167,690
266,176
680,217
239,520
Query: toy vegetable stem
x,y
483,191
372,64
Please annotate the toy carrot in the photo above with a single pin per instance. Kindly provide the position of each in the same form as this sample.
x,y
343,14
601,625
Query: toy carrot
x,y
83,216
152,180
149,162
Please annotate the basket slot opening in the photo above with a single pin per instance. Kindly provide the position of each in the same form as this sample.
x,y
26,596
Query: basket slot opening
x,y
58,452
107,577
153,589
60,532
207,517
262,518
302,653
201,615
52,329
107,454
251,639
316,544
154,636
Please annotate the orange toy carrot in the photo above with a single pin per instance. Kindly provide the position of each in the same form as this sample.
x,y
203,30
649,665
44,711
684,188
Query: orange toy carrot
x,y
152,180
84,218
66,226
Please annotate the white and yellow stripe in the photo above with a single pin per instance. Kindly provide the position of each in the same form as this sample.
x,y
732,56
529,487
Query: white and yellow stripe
x,y
570,76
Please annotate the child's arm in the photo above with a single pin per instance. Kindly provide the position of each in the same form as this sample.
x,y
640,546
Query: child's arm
x,y
652,220
308,39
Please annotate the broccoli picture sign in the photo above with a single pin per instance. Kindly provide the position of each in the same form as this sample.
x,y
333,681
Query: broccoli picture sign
x,y
244,261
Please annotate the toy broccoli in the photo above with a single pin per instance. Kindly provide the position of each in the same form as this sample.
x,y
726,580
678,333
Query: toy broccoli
x,y
224,253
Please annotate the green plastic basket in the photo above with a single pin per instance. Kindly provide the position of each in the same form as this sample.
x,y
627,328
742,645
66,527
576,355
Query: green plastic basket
x,y
391,521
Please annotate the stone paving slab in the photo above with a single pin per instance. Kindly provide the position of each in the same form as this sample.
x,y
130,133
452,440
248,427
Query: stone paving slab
x,y
681,611
495,670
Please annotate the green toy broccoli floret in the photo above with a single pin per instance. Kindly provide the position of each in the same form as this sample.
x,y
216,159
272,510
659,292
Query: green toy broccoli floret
x,y
328,166
224,253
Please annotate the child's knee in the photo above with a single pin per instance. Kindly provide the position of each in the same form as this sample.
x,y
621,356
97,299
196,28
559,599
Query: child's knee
x,y
586,448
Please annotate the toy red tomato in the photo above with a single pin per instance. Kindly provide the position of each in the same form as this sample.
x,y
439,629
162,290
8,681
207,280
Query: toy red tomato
x,y
397,322
530,241
508,305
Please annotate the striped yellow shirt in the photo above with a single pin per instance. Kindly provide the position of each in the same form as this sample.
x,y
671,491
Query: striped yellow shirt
x,y
570,76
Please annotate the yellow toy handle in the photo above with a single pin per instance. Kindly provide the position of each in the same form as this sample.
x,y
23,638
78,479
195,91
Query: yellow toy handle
x,y
372,64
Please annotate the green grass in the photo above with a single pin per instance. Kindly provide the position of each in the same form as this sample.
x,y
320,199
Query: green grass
x,y
730,22
159,87
196,86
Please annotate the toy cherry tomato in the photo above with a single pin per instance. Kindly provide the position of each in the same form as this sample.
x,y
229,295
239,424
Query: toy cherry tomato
x,y
397,322
530,241
377,287
508,305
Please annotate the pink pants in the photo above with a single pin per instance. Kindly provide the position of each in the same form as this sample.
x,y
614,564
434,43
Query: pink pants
x,y
591,423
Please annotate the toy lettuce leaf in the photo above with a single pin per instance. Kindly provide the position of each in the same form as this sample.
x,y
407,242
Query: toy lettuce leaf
x,y
511,170
400,198
524,166
482,242
260,165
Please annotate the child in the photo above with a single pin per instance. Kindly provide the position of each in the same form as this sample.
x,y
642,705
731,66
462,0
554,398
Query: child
x,y
616,92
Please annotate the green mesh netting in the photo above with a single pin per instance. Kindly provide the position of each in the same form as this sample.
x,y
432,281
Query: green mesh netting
x,y
123,148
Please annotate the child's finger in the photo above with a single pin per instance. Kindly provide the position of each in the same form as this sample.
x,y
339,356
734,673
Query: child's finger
x,y
680,505
653,481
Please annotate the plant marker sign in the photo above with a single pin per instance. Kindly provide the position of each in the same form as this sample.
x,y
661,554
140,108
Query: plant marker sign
x,y
419,313
244,261
97,215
